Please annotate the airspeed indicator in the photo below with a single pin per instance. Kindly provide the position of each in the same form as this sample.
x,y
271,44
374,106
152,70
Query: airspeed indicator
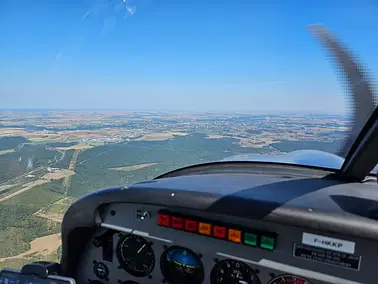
x,y
230,271
135,255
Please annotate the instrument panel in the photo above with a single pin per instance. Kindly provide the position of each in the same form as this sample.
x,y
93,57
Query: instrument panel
x,y
141,244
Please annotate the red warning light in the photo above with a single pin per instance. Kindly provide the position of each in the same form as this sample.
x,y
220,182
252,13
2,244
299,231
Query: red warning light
x,y
219,232
177,223
164,220
191,225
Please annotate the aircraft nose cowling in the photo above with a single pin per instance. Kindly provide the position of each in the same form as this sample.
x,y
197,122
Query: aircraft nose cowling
x,y
301,157
315,158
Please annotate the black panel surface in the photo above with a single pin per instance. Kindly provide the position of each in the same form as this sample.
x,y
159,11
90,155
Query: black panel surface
x,y
311,199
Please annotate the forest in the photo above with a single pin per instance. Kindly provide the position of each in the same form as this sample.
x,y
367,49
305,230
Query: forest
x,y
11,142
18,226
94,166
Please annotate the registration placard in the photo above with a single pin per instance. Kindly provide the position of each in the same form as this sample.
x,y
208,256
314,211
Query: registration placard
x,y
331,257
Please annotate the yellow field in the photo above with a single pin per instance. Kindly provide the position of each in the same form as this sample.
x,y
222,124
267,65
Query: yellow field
x,y
133,167
58,175
255,142
12,131
75,147
37,137
160,136
42,246
216,136
2,152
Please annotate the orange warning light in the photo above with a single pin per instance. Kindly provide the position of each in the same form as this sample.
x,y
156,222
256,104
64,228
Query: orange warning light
x,y
234,235
204,228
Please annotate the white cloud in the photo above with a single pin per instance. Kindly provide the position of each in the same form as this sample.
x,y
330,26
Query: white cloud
x,y
131,9
110,11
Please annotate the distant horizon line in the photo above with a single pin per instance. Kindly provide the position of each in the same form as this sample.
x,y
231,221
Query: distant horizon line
x,y
226,111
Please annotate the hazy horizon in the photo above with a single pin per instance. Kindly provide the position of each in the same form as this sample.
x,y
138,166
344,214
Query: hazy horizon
x,y
224,111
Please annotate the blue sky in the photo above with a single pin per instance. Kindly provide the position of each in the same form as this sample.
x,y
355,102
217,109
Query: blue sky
x,y
185,55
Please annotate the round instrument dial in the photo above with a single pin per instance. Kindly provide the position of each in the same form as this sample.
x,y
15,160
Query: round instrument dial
x,y
180,265
135,255
230,271
289,279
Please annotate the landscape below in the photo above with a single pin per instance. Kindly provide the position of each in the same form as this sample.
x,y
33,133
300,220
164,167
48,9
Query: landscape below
x,y
49,159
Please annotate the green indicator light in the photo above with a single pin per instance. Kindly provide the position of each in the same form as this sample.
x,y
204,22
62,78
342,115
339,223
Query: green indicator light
x,y
250,239
268,243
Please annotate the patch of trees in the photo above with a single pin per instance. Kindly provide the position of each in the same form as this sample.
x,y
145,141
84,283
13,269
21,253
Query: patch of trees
x,y
65,162
12,142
